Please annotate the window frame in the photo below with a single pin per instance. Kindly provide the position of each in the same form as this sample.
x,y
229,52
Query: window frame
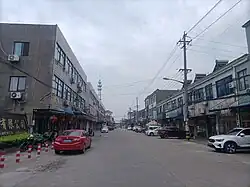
x,y
243,78
209,91
224,83
25,46
17,85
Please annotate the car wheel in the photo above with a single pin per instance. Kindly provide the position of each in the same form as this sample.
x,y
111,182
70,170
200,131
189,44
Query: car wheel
x,y
57,152
151,134
84,149
230,147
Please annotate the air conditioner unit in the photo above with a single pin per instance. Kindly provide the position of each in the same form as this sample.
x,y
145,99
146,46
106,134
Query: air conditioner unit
x,y
15,95
13,58
72,80
248,90
79,89
65,103
231,85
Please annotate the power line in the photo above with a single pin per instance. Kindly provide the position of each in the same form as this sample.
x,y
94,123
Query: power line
x,y
3,61
222,43
221,16
159,71
203,17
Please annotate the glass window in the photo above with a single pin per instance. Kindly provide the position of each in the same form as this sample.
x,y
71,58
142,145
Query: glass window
x,y
242,80
173,104
246,132
209,91
180,101
198,95
21,48
60,55
190,98
58,84
71,133
223,88
17,84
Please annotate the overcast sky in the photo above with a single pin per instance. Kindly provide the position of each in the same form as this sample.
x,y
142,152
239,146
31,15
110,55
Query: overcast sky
x,y
125,42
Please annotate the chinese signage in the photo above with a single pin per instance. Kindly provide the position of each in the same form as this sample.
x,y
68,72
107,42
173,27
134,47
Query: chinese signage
x,y
11,124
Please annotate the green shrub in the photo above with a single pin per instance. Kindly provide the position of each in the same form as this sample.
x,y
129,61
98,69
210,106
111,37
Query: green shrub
x,y
15,139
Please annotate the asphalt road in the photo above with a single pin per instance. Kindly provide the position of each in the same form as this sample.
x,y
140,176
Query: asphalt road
x,y
126,159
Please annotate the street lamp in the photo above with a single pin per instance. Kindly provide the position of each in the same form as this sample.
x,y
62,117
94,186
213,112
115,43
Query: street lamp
x,y
169,79
185,106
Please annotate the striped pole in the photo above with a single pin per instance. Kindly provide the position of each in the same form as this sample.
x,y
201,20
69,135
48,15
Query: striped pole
x,y
29,151
52,145
38,149
46,147
2,159
18,157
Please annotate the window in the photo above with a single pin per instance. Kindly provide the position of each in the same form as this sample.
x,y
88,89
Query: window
x,y
66,92
58,87
60,55
180,102
198,95
222,86
21,48
209,92
173,104
242,80
246,132
84,86
190,98
82,103
17,84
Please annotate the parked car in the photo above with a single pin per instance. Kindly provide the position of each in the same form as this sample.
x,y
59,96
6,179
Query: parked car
x,y
171,132
237,138
152,130
105,130
129,128
72,140
138,129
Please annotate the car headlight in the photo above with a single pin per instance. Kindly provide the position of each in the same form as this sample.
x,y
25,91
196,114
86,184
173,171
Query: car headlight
x,y
219,140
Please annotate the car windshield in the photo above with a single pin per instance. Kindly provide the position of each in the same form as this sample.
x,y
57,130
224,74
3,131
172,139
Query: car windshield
x,y
234,131
71,133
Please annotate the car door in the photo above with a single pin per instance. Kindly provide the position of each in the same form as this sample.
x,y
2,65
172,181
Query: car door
x,y
245,140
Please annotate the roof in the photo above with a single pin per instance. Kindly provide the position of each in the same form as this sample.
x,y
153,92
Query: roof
x,y
247,24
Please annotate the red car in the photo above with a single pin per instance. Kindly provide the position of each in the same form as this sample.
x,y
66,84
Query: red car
x,y
72,140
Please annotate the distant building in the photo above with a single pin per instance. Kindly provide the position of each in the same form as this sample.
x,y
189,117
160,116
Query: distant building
x,y
153,99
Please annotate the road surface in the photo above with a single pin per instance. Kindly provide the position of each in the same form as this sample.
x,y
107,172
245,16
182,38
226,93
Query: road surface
x,y
126,159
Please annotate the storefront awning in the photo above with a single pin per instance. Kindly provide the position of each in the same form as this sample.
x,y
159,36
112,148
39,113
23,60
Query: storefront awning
x,y
68,110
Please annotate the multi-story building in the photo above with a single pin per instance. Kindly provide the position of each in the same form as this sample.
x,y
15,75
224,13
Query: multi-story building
x,y
217,102
40,76
153,99
142,116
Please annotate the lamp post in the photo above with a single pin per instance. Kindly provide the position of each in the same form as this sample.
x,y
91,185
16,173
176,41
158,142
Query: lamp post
x,y
185,104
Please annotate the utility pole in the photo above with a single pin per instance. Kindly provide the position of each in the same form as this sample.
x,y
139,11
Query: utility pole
x,y
184,42
130,112
137,107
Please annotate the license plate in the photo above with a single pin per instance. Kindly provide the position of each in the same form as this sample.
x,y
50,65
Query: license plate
x,y
67,141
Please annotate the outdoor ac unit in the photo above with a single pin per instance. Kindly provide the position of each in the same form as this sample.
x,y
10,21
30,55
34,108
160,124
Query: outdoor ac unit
x,y
231,85
79,89
65,103
248,90
72,80
15,95
13,58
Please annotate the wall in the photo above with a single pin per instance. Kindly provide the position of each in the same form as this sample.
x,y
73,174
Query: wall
x,y
38,63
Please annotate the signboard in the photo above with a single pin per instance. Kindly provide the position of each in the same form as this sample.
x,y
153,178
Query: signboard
x,y
12,123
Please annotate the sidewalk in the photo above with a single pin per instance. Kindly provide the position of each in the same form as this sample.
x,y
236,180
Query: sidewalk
x,y
202,141
34,162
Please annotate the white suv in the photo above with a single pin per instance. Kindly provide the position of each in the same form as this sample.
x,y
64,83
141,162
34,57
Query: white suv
x,y
237,138
152,130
